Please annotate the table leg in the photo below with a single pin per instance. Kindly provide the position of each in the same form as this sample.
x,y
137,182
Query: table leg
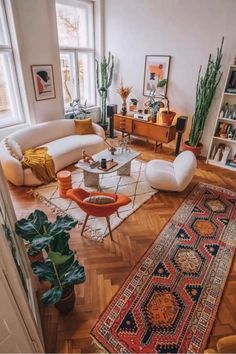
x,y
124,170
157,145
91,179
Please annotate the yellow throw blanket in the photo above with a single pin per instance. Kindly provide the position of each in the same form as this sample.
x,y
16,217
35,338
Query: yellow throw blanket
x,y
41,164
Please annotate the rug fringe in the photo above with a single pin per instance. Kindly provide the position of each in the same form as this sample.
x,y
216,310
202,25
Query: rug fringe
x,y
100,348
54,208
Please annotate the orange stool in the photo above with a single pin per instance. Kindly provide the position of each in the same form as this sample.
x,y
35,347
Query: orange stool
x,y
64,182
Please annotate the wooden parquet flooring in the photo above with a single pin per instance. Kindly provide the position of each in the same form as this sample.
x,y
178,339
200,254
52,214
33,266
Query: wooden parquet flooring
x,y
108,264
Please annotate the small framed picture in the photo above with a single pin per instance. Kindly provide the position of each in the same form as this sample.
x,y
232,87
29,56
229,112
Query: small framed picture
x,y
156,69
43,80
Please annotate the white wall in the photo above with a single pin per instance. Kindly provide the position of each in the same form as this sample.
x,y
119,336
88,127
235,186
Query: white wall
x,y
36,33
188,30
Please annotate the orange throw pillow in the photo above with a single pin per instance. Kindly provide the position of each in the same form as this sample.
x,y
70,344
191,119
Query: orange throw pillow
x,y
84,126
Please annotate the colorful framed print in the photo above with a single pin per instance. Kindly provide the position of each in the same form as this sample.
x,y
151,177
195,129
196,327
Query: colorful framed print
x,y
156,69
43,80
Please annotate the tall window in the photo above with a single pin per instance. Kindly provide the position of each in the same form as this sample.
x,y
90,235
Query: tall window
x,y
75,23
10,103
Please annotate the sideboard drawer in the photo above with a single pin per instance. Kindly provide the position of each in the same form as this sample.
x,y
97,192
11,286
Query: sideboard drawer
x,y
140,128
158,132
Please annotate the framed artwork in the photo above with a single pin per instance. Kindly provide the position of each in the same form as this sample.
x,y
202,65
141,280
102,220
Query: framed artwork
x,y
156,69
43,80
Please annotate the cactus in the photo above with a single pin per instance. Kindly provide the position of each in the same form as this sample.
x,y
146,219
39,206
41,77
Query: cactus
x,y
206,87
104,74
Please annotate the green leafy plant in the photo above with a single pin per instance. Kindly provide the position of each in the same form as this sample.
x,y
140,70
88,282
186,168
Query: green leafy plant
x,y
205,91
60,268
104,75
79,110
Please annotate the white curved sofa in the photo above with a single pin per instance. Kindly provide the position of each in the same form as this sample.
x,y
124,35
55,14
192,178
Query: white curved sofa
x,y
172,176
59,136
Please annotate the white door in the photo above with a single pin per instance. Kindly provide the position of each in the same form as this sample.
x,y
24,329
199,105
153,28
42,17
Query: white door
x,y
20,328
14,337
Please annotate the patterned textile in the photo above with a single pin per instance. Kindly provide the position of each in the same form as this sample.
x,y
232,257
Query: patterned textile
x,y
135,186
41,164
169,301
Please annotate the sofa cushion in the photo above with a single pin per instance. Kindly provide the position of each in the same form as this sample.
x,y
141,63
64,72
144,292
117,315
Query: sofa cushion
x,y
14,148
99,199
84,126
68,150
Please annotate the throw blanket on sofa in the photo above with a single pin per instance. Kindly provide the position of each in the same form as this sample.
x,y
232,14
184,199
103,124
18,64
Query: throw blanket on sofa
x,y
41,164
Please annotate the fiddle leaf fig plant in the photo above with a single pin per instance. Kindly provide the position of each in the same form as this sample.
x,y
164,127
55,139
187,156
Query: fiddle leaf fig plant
x,y
60,268
39,232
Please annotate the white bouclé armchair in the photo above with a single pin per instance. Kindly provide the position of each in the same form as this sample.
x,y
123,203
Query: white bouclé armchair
x,y
172,176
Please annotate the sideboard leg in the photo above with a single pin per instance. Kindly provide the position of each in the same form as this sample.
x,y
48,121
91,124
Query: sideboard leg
x,y
157,145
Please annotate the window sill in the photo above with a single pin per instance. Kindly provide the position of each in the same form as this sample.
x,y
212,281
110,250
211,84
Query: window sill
x,y
94,110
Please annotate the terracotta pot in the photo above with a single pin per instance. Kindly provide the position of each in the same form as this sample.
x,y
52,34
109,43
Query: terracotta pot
x,y
36,258
195,149
67,302
167,117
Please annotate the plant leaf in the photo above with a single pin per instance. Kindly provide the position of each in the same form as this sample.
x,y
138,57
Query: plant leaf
x,y
32,227
65,223
60,243
52,296
57,258
162,83
40,243
45,271
75,275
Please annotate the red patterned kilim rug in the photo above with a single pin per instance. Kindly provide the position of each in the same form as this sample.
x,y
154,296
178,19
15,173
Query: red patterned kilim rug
x,y
169,301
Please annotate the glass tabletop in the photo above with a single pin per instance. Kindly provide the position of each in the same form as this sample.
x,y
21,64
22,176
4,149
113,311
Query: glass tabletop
x,y
122,158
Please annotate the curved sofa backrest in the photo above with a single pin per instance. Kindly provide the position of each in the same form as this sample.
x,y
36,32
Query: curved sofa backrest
x,y
43,133
184,166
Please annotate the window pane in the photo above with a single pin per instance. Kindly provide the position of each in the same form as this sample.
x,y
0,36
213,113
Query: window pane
x,y
9,104
68,74
75,25
4,40
86,77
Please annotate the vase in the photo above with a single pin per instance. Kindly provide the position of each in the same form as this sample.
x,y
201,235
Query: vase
x,y
124,108
167,117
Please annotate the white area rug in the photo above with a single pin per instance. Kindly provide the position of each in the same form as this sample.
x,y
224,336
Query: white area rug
x,y
135,186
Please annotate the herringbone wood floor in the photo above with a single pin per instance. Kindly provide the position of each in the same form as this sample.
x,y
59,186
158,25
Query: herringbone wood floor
x,y
107,265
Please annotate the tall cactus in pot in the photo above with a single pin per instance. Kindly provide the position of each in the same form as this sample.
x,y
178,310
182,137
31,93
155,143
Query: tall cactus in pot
x,y
206,87
104,75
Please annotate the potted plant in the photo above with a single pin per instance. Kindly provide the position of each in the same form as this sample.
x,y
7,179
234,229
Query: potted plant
x,y
153,105
206,87
166,115
79,110
60,268
104,75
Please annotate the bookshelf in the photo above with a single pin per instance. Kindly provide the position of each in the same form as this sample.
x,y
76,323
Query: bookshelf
x,y
222,148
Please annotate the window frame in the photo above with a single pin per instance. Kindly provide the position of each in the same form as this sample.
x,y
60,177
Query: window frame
x,y
75,51
15,98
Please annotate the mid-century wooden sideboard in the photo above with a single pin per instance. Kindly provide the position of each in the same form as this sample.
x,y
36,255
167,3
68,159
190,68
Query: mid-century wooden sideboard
x,y
146,129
